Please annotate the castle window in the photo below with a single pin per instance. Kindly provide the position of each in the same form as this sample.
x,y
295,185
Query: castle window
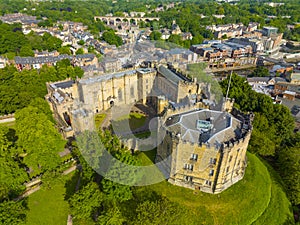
x,y
146,81
207,182
239,162
147,87
230,158
212,161
211,173
188,178
188,167
227,169
194,157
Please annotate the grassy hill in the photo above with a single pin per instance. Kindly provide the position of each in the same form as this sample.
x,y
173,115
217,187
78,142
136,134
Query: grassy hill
x,y
257,199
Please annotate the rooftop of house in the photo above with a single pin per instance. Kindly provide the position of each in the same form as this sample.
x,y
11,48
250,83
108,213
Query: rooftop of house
x,y
289,86
258,79
235,45
289,93
177,51
295,75
50,59
205,126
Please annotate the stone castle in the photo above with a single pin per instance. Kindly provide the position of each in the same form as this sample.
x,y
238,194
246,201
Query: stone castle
x,y
206,149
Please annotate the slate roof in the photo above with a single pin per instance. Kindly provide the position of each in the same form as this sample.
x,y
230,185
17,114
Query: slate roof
x,y
168,74
224,126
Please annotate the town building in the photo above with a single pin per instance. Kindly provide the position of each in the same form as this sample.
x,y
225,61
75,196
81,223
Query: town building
x,y
51,59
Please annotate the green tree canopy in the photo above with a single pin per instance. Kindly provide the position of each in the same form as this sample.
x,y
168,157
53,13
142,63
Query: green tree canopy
x,y
85,203
260,71
111,38
155,35
39,139
26,51
13,213
79,51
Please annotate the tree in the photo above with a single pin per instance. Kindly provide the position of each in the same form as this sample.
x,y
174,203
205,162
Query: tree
x,y
260,71
86,202
12,213
51,43
111,38
155,35
79,51
64,50
45,23
197,39
43,107
26,51
39,138
112,216
80,42
174,38
261,144
64,63
78,72
289,163
11,172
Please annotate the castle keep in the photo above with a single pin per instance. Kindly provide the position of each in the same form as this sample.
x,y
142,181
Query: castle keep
x,y
205,148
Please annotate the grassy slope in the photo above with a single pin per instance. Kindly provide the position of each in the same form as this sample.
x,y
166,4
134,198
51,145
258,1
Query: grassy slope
x,y
47,206
279,209
244,203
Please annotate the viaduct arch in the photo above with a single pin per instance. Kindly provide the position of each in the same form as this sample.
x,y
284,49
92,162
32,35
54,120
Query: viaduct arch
x,y
114,20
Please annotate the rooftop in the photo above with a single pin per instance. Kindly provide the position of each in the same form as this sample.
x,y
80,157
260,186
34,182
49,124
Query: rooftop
x,y
105,77
205,126
168,74
63,84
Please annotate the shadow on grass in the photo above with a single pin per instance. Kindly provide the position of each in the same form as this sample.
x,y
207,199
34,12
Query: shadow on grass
x,y
70,185
151,154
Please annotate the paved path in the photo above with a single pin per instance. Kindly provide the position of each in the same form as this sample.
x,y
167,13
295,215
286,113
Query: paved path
x,y
7,120
27,193
71,169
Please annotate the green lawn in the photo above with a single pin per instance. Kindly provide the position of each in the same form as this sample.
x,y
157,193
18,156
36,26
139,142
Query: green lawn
x,y
48,206
135,121
254,199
